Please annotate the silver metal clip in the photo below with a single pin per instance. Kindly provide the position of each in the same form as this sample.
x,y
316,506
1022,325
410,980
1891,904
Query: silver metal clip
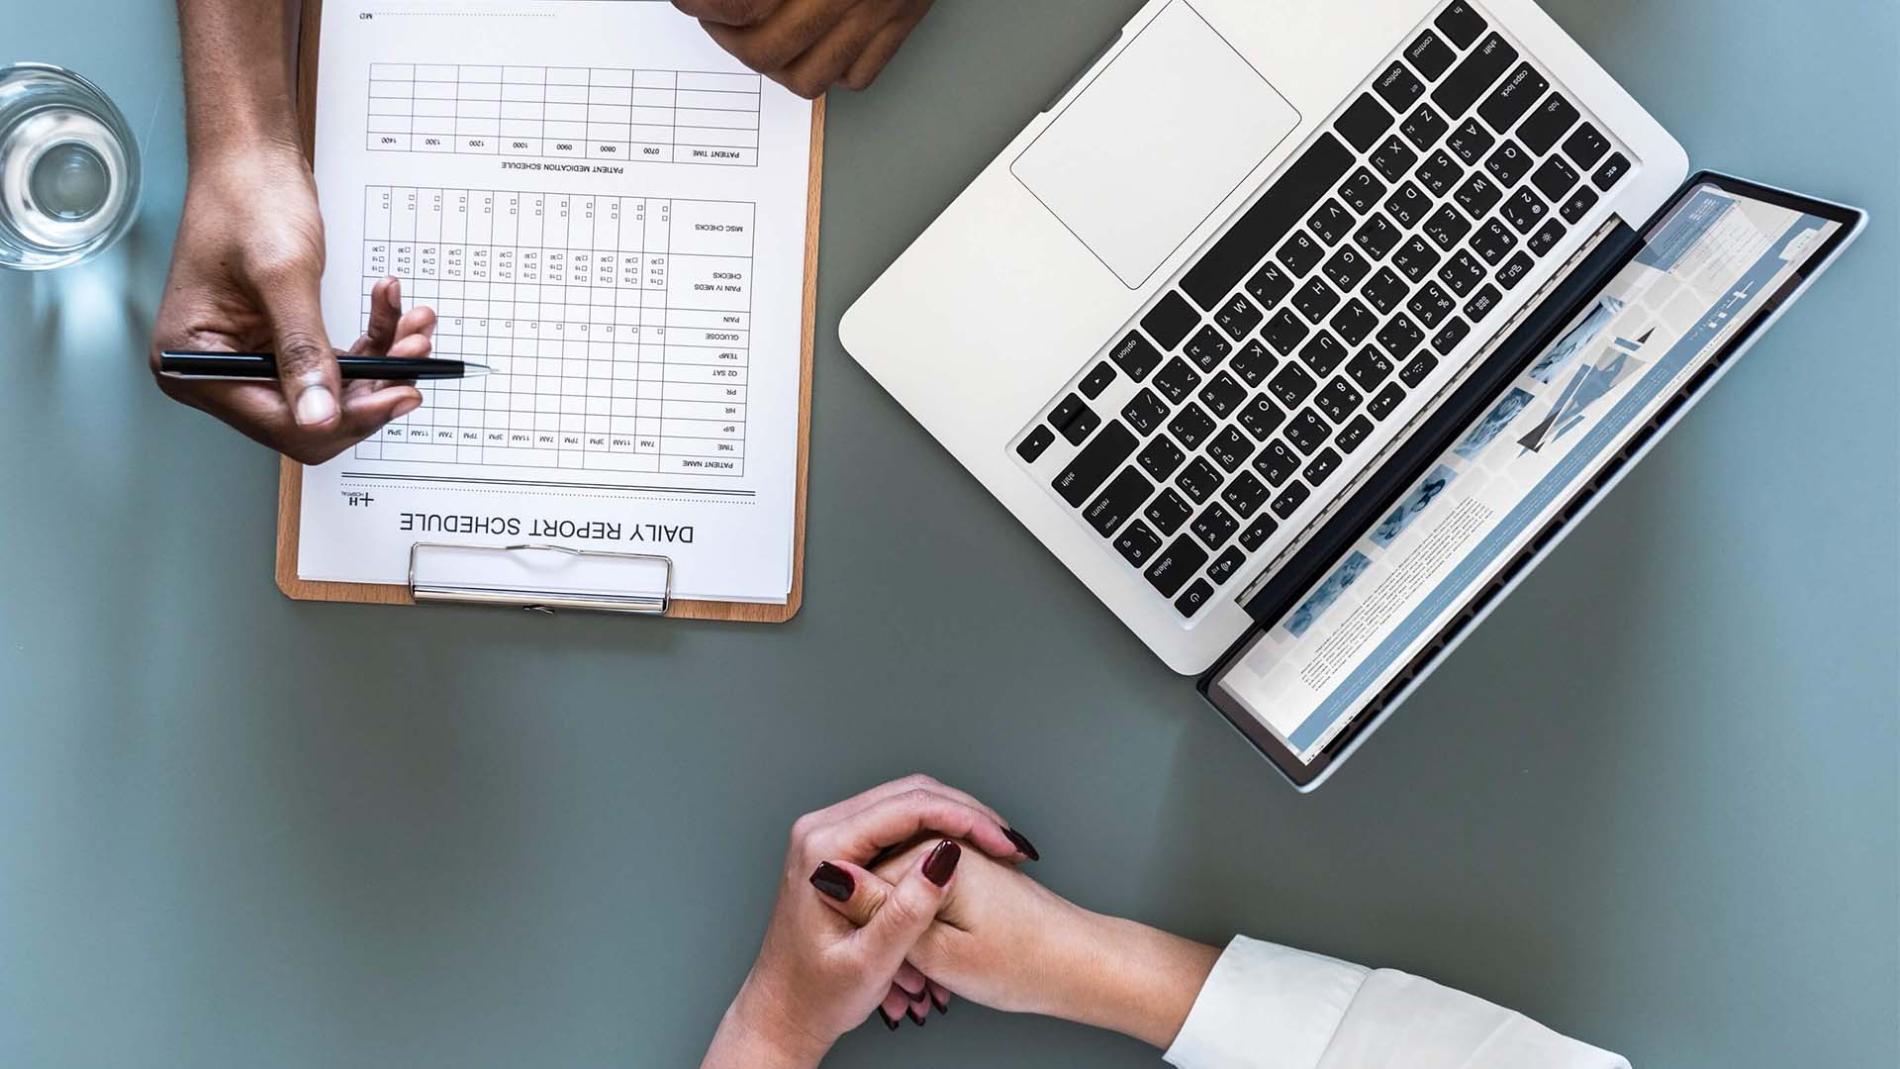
x,y
540,578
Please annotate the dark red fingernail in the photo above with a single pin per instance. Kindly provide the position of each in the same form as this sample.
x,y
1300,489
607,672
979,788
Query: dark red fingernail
x,y
915,1017
889,1021
942,863
942,1007
833,881
1021,842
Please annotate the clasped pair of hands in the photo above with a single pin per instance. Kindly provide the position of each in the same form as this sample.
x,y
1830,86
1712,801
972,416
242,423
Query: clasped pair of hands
x,y
248,263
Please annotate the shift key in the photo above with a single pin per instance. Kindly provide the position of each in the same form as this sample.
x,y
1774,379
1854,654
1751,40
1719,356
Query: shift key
x,y
1095,463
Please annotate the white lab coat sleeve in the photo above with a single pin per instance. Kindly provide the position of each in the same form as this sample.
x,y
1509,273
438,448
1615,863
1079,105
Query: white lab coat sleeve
x,y
1272,1007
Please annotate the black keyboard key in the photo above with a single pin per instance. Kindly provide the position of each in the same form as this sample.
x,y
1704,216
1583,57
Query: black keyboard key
x,y
1322,465
1302,185
1292,385
1065,411
1611,172
1269,285
1478,195
1300,253
1439,173
1484,66
1369,369
1307,431
1097,380
1385,401
1078,429
1398,87
1461,24
1168,512
1424,127
1193,598
1252,363
1170,320
1514,270
1215,525
1462,272
1401,336
1256,535
1407,205
1191,426
1284,331
1394,159
1546,238
1207,349
1199,479
1384,290
1513,97
1456,330
1431,304
1137,543
1035,443
1136,356
1322,354
1481,303
1470,142
1446,227
1431,55
1377,236
1353,433
1290,499
1364,123
1578,205
1338,400
1226,565
1493,241
1509,164
1346,268
1160,458
1261,417
1552,120
1555,178
1238,317
1222,395
1354,321
1414,373
1176,565
1095,463
1116,504
1144,412
1277,462
1177,380
1416,258
1586,146
1362,190
1245,494
1315,300
1330,222
1524,210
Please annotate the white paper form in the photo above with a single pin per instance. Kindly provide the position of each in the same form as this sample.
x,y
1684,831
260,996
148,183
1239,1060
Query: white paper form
x,y
608,210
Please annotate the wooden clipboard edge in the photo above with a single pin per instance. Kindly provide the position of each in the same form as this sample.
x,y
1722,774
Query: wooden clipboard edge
x,y
290,473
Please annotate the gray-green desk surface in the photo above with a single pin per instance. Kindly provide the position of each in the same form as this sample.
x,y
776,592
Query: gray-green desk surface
x,y
1652,801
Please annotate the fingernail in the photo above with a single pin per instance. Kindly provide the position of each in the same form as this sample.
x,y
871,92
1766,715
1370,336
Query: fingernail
x,y
316,405
889,1021
1021,842
915,1017
942,1007
942,862
833,881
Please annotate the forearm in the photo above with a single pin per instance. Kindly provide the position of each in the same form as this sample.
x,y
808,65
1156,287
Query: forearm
x,y
1129,978
756,1033
238,74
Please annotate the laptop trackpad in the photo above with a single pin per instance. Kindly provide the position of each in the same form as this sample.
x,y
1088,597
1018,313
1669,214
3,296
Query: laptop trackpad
x,y
1154,144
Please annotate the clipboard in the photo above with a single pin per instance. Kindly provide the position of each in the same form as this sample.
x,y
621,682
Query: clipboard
x,y
429,585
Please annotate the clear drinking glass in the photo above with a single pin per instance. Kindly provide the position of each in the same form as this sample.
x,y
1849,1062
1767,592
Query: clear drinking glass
x,y
69,168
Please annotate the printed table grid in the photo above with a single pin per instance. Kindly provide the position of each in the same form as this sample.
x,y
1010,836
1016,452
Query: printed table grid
x,y
566,113
618,328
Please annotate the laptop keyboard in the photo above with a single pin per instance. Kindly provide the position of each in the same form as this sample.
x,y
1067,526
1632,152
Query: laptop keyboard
x,y
1250,382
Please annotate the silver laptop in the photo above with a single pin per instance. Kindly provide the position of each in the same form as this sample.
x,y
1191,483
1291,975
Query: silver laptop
x,y
1206,319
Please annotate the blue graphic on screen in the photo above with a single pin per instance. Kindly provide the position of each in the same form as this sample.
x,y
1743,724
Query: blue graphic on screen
x,y
1417,501
1691,223
1588,386
1343,576
1494,423
1547,366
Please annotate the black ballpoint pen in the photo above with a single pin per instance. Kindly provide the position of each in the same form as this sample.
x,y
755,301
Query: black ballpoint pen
x,y
185,365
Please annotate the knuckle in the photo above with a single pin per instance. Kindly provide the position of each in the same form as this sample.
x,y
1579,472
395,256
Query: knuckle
x,y
803,827
300,349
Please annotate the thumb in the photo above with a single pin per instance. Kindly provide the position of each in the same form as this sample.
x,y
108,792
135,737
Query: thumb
x,y
908,910
306,365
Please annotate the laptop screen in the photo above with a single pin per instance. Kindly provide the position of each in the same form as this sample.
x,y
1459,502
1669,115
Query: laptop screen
x,y
1710,269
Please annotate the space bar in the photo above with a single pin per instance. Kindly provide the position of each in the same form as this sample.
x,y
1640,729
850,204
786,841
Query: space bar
x,y
1254,234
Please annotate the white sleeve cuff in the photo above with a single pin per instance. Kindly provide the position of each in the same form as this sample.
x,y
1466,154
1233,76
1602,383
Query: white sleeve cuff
x,y
1265,1007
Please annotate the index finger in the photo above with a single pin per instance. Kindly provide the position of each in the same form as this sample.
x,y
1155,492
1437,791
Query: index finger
x,y
900,818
